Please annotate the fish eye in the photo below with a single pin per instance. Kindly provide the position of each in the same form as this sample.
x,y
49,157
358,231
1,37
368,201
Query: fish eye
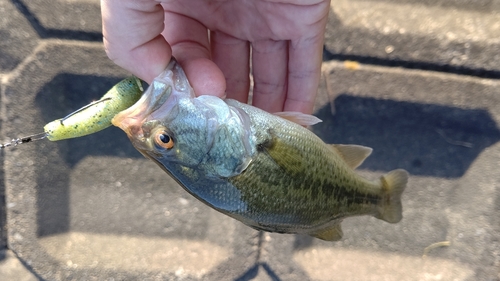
x,y
163,139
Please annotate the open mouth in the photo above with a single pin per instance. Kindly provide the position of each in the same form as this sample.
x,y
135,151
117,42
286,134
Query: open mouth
x,y
156,95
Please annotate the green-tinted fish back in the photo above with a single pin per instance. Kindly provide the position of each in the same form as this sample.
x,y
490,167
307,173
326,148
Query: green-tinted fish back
x,y
96,116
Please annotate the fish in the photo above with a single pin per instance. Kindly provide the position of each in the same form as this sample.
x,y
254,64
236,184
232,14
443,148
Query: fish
x,y
265,170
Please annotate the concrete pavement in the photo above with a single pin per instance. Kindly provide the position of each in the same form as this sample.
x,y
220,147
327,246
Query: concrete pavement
x,y
416,80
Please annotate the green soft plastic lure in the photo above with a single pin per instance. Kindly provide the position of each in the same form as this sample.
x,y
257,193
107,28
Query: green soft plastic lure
x,y
91,118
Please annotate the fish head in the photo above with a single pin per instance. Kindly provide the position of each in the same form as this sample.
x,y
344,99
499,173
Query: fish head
x,y
152,124
173,127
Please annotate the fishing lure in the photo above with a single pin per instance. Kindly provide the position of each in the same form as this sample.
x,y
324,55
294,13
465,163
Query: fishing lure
x,y
91,118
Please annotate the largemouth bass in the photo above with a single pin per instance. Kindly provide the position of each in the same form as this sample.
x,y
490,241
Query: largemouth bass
x,y
268,172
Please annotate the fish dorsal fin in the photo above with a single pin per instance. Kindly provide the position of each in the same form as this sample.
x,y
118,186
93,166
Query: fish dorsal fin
x,y
331,233
353,155
299,118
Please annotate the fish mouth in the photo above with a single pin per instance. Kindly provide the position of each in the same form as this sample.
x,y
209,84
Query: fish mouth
x,y
130,120
161,96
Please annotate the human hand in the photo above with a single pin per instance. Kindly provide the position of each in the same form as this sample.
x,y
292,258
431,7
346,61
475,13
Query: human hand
x,y
212,41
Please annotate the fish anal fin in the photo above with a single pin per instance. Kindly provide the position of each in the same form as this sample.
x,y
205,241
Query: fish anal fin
x,y
331,233
299,117
393,185
353,155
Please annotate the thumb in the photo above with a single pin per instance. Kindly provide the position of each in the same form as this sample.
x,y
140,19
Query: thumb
x,y
132,36
204,76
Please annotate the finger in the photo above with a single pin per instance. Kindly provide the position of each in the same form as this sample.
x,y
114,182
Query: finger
x,y
269,68
304,72
232,55
190,46
132,36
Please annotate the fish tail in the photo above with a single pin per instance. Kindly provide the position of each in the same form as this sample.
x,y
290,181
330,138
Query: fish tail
x,y
393,185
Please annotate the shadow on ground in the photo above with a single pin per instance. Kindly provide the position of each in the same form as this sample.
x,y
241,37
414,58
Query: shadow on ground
x,y
252,273
44,32
425,139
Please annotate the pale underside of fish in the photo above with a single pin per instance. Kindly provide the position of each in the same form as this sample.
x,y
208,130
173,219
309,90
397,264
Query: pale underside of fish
x,y
265,170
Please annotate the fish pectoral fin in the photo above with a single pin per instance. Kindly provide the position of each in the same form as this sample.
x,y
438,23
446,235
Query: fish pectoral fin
x,y
331,233
299,118
353,155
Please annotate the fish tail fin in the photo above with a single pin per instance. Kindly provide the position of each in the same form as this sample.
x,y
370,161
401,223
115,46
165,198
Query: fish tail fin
x,y
393,185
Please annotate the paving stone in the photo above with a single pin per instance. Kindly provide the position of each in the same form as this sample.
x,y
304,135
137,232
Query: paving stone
x,y
75,19
472,5
18,37
277,258
453,36
94,209
12,269
3,215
